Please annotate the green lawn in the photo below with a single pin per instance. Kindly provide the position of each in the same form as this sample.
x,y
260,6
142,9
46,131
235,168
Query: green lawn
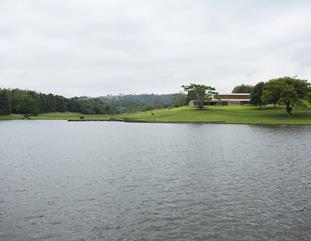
x,y
11,117
186,114
225,114
57,116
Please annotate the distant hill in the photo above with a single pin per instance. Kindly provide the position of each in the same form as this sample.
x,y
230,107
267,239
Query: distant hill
x,y
143,102
28,102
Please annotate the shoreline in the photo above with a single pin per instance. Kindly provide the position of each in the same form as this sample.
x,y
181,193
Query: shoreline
x,y
168,122
202,122
244,115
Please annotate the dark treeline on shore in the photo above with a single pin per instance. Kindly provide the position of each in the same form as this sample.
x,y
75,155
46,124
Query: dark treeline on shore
x,y
17,101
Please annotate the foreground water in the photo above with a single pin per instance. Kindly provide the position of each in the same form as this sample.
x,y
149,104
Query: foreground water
x,y
118,181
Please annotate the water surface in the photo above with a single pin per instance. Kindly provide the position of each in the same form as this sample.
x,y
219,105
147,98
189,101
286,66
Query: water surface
x,y
133,181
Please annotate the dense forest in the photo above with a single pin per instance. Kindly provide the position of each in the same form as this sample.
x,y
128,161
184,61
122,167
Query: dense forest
x,y
29,102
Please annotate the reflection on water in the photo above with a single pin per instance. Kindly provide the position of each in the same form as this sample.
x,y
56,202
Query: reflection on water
x,y
119,181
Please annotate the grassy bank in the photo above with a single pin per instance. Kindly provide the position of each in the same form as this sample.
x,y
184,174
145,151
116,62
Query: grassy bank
x,y
57,116
223,114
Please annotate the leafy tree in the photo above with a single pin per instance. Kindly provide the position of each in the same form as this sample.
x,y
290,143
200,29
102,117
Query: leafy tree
x,y
29,105
308,95
16,99
272,92
243,89
50,99
286,90
60,103
199,93
295,91
86,108
74,105
257,93
5,102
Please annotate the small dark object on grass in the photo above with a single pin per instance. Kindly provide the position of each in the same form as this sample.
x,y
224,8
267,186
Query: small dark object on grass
x,y
26,117
81,117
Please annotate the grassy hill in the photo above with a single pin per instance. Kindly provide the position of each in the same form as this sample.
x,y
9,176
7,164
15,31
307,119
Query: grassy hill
x,y
186,114
225,114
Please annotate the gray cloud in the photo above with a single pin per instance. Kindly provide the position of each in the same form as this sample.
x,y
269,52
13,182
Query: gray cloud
x,y
98,47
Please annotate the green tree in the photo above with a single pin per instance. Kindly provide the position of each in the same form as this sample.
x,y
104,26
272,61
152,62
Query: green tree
x,y
287,91
50,100
257,93
29,106
308,95
16,98
60,104
179,100
272,92
86,107
199,93
243,89
5,102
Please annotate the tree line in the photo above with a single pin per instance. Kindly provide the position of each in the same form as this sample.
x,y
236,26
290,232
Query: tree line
x,y
28,102
32,103
286,91
144,102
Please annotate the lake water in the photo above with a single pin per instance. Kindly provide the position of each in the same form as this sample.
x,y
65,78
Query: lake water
x,y
132,181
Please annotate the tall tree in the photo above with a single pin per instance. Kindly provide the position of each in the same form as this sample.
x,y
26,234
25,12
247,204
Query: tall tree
x,y
243,89
308,95
272,92
295,91
288,91
5,102
199,93
50,99
16,97
257,93
60,104
29,105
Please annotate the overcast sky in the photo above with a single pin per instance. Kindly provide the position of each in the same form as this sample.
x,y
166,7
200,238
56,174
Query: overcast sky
x,y
99,47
